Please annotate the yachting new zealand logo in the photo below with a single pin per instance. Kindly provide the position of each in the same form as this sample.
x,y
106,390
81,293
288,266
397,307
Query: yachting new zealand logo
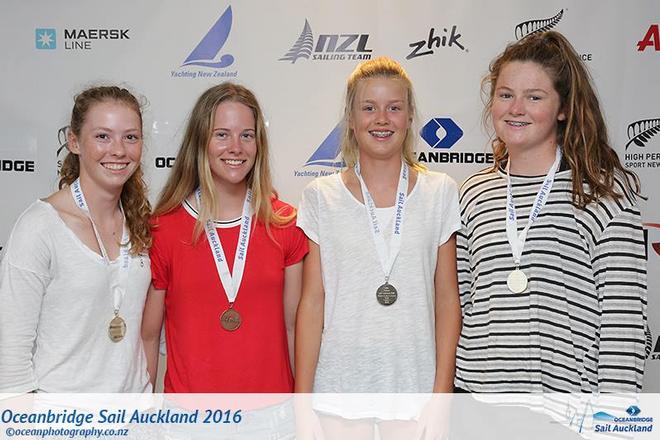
x,y
537,25
327,154
640,134
206,55
45,38
328,47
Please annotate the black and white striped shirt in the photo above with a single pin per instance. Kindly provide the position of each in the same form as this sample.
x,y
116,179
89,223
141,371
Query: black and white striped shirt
x,y
580,324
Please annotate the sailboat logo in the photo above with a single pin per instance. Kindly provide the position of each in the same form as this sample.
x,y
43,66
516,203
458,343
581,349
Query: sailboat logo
x,y
206,52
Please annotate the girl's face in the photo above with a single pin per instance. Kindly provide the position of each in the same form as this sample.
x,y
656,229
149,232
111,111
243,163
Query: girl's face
x,y
109,145
232,149
526,107
380,117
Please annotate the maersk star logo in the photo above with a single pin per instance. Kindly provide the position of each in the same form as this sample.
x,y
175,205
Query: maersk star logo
x,y
327,154
206,52
302,48
45,38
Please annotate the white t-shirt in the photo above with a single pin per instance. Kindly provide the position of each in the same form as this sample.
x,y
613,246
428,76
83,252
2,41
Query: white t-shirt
x,y
57,304
367,347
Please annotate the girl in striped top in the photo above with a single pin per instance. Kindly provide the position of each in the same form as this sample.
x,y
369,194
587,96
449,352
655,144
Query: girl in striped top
x,y
551,257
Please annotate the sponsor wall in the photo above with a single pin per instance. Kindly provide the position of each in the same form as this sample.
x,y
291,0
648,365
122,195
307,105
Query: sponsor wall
x,y
296,56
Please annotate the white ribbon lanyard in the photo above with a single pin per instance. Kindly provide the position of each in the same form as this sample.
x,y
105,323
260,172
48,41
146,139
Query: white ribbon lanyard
x,y
120,290
230,283
517,241
387,258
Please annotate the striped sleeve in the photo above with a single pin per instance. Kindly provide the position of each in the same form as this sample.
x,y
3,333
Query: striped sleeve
x,y
619,266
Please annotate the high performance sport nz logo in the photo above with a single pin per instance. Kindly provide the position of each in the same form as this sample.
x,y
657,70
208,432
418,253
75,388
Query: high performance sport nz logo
x,y
537,25
328,47
441,134
206,60
632,421
640,133
327,154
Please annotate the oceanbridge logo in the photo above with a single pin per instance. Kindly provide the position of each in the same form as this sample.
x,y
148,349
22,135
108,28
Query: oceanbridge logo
x,y
537,25
328,47
207,52
442,134
631,422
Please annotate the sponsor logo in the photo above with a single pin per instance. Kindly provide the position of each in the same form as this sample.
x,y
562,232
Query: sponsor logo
x,y
640,134
651,39
19,166
164,161
63,147
328,47
446,38
655,354
631,422
442,134
207,54
327,154
537,25
45,38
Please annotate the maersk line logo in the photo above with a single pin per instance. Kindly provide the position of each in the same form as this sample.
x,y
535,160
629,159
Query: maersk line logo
x,y
538,25
328,47
205,54
328,153
45,38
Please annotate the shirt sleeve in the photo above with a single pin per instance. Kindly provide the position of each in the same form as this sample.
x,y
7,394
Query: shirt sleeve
x,y
451,218
463,264
159,256
297,246
24,277
308,212
619,265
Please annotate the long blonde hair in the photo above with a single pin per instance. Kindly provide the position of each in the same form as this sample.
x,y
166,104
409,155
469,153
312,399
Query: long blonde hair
x,y
192,170
381,67
134,193
583,134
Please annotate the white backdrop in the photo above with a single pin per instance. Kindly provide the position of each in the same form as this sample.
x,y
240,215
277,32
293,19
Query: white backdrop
x,y
296,56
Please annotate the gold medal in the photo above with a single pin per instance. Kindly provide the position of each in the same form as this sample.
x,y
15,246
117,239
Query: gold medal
x,y
230,320
117,328
517,281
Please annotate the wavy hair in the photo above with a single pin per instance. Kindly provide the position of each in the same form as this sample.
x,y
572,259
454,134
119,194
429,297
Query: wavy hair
x,y
381,67
583,134
192,170
134,193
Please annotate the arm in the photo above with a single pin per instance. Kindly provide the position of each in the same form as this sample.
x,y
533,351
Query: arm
x,y
309,322
619,266
447,316
152,322
292,292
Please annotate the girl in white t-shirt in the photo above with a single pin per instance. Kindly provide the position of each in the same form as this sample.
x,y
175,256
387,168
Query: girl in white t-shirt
x,y
380,310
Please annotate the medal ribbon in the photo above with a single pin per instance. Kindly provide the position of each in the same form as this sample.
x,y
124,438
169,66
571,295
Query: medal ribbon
x,y
387,259
230,283
124,257
517,241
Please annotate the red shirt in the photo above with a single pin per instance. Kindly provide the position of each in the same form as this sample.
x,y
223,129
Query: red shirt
x,y
201,355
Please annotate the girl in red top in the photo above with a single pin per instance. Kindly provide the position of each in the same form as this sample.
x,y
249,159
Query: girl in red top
x,y
226,257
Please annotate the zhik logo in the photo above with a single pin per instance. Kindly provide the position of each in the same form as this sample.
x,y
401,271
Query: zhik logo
x,y
329,47
540,25
327,154
45,38
205,53
652,38
437,42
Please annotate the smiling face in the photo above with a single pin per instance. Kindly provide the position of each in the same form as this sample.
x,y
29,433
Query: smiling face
x,y
108,145
232,149
380,117
526,108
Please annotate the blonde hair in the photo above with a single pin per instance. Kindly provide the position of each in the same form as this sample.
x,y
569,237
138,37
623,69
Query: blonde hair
x,y
381,67
583,134
134,193
192,170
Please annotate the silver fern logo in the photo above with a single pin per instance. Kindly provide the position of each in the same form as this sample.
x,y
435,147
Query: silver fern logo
x,y
303,46
539,25
640,132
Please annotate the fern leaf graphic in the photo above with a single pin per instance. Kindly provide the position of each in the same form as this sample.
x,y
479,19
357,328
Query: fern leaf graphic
x,y
302,48
533,26
640,132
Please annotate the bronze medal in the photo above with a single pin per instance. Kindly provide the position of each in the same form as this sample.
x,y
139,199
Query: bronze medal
x,y
117,329
230,320
386,294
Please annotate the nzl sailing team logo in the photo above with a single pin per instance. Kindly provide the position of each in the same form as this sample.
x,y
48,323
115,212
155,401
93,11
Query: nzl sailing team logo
x,y
537,25
208,52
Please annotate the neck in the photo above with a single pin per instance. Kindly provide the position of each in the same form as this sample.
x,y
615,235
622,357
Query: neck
x,y
102,202
230,199
380,172
532,163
